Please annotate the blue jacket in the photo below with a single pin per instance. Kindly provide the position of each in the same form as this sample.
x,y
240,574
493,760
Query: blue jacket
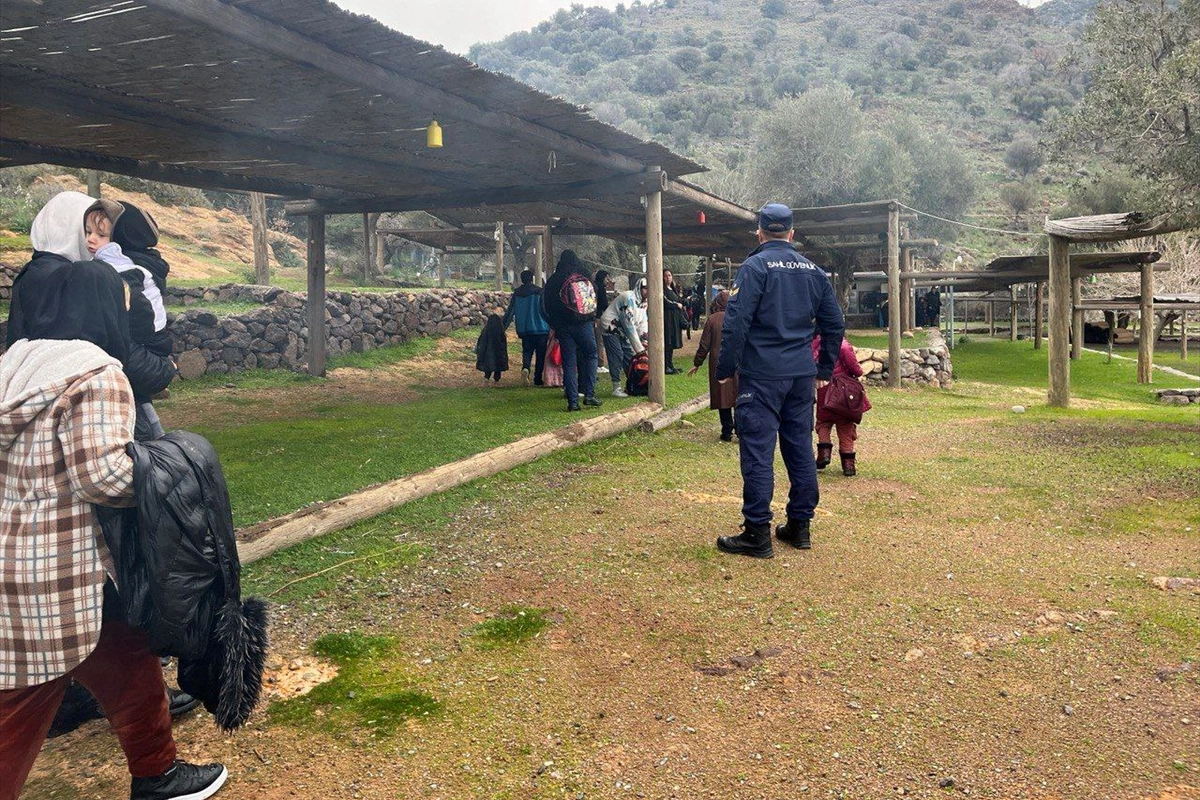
x,y
769,323
525,306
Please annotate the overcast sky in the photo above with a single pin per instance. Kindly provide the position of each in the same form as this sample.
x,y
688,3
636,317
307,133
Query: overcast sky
x,y
460,24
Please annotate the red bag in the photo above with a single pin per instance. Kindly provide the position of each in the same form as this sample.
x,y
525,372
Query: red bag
x,y
844,399
554,354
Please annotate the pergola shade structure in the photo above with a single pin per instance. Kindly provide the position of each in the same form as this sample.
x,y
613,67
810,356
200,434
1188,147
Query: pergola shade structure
x,y
301,99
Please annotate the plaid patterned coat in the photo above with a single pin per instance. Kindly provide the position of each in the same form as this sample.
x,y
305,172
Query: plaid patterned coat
x,y
66,414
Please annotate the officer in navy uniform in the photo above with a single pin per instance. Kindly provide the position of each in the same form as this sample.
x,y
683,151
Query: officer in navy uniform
x,y
779,300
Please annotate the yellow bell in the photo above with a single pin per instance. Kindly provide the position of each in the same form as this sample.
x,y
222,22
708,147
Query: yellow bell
x,y
433,135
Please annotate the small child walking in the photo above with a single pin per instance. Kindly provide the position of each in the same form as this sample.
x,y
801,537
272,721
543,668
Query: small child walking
x,y
721,396
491,350
827,421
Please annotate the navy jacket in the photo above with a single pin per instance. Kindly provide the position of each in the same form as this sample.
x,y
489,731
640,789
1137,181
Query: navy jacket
x,y
525,306
779,301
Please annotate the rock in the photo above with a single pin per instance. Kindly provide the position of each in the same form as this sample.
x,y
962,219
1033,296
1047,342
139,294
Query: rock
x,y
914,654
191,364
1068,710
1018,409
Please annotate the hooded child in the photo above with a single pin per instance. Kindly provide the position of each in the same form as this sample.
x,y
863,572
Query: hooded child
x,y
491,350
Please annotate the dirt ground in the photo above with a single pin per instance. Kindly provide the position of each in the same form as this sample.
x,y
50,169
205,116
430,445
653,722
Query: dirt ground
x,y
968,623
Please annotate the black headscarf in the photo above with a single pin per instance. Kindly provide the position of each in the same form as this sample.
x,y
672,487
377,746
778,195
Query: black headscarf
x,y
80,300
601,290
569,262
137,233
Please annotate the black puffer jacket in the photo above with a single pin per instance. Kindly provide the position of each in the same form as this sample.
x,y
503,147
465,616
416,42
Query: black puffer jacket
x,y
178,574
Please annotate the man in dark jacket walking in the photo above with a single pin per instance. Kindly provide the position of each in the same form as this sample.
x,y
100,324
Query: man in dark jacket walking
x,y
573,327
779,300
525,306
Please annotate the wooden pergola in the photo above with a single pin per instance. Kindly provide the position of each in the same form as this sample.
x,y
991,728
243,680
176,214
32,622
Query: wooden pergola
x,y
301,99
1065,293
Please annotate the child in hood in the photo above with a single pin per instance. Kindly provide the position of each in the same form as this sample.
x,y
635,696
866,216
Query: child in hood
x,y
491,350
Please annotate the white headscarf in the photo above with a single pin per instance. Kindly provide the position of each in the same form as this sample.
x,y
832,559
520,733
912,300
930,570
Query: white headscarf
x,y
58,227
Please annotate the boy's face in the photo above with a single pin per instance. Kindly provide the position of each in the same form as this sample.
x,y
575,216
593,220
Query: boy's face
x,y
98,230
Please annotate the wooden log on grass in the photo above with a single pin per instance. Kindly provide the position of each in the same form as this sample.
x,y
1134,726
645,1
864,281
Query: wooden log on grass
x,y
673,415
262,540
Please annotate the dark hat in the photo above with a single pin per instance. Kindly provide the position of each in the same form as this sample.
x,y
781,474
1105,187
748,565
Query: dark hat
x,y
775,217
111,208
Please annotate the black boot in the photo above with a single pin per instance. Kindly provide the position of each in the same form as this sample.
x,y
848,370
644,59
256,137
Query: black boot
x,y
824,454
754,541
848,464
796,533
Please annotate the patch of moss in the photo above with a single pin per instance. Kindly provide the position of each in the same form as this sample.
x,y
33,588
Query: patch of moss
x,y
366,694
512,625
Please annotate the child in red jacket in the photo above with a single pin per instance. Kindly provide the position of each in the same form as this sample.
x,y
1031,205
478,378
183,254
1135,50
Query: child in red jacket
x,y
847,431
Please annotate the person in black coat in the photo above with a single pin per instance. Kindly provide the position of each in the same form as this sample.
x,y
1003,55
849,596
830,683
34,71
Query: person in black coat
x,y
672,320
491,350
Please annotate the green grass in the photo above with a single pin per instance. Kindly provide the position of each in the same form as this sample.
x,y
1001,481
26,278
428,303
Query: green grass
x,y
367,693
221,309
514,624
1170,358
18,242
879,341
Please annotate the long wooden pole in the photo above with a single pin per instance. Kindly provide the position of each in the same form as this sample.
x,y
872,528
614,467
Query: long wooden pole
x,y
894,324
1058,336
991,320
258,224
1077,317
1013,309
93,183
499,256
654,279
261,540
316,295
1183,342
1145,362
905,289
1039,315
708,285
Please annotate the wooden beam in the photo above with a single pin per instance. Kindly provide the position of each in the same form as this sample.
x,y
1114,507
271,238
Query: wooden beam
x,y
665,419
628,185
368,244
654,303
893,280
155,171
1013,309
258,224
710,202
500,257
269,537
1109,227
1058,344
282,42
1183,338
708,287
1145,362
1039,313
906,303
93,183
316,295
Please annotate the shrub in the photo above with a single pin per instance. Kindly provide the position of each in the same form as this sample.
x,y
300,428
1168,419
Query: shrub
x,y
1023,156
774,9
847,37
687,58
656,75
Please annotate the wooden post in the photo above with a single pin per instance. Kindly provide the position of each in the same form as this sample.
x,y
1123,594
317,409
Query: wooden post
x,y
990,313
258,223
379,249
1111,319
1039,315
441,268
1183,342
1076,317
499,256
547,252
316,294
1145,362
906,302
654,307
1057,339
370,220
1013,308
894,324
93,183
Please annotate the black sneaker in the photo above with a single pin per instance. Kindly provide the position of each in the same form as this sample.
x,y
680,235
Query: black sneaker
x,y
592,401
180,702
183,781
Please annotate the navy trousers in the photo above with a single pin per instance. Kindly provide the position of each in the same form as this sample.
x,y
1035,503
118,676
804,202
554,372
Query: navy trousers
x,y
766,411
578,343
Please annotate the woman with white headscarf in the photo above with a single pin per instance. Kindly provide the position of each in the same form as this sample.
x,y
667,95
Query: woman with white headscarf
x,y
58,240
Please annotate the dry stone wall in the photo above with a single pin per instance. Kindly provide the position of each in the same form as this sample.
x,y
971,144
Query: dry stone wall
x,y
276,335
928,365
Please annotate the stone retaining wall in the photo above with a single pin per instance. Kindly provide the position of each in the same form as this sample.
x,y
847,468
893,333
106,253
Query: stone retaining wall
x,y
1178,397
929,365
276,335
7,276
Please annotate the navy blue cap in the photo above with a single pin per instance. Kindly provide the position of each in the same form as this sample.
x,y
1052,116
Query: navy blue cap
x,y
775,217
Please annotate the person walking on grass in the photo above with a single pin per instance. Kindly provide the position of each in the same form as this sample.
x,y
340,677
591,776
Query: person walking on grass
x,y
569,303
491,351
721,394
67,413
525,306
779,301
827,420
